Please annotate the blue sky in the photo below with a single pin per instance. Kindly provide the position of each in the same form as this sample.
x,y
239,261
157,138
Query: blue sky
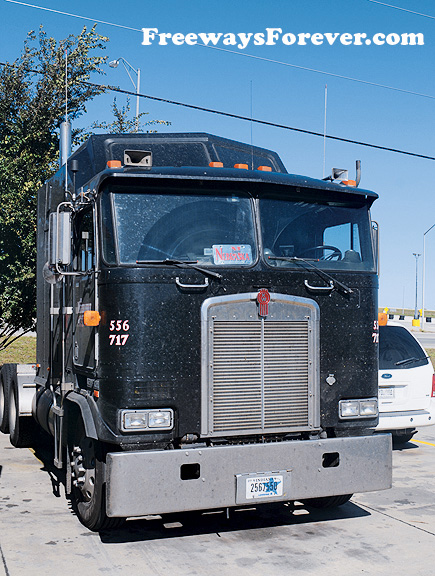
x,y
286,95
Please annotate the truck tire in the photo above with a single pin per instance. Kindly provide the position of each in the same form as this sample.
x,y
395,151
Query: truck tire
x,y
327,501
88,490
22,429
4,397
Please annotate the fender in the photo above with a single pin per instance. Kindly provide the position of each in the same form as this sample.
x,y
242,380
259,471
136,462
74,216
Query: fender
x,y
88,420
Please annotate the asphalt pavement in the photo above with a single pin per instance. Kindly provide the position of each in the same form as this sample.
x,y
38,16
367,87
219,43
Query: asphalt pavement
x,y
376,534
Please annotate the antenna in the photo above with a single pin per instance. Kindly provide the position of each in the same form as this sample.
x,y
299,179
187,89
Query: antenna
x,y
65,131
252,150
66,115
324,130
66,85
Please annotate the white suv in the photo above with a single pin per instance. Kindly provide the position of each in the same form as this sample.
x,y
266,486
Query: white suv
x,y
406,384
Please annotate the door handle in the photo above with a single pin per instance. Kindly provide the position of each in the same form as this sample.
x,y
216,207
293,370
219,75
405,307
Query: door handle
x,y
320,289
191,286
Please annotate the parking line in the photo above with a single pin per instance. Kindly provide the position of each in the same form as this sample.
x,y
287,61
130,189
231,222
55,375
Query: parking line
x,y
421,442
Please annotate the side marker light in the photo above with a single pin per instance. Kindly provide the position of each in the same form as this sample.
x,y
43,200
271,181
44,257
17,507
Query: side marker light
x,y
382,319
91,318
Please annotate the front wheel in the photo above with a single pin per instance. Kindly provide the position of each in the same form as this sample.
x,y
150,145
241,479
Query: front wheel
x,y
88,495
327,501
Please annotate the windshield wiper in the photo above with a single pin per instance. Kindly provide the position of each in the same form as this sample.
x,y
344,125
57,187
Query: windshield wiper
x,y
181,264
410,360
324,275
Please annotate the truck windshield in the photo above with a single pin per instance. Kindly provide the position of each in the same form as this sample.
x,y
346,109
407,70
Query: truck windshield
x,y
332,235
156,224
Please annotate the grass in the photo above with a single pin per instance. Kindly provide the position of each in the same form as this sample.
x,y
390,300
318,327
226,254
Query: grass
x,y
22,351
431,352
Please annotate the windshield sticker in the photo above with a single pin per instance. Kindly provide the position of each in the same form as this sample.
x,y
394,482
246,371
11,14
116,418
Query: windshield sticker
x,y
232,254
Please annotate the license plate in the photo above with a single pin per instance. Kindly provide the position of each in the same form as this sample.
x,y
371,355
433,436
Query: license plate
x,y
386,392
264,487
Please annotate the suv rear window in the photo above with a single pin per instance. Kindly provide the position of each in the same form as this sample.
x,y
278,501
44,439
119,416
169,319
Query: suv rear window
x,y
397,345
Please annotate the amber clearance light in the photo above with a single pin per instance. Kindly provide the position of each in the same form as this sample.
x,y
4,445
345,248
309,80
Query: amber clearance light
x,y
114,164
91,318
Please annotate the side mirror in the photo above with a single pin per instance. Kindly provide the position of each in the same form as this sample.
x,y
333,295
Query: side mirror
x,y
60,238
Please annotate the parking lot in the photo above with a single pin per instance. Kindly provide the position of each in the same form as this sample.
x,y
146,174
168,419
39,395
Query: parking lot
x,y
376,533
389,532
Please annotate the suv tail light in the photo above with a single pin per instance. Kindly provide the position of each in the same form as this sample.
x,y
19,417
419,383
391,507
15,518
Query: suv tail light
x,y
433,385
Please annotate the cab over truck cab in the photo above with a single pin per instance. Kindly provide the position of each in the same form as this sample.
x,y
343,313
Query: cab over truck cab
x,y
206,330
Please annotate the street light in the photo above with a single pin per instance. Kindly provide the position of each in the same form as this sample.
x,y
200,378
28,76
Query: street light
x,y
115,64
416,281
424,272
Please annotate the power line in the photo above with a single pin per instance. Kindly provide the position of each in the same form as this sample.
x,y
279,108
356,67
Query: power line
x,y
421,94
253,56
72,15
402,9
258,121
239,117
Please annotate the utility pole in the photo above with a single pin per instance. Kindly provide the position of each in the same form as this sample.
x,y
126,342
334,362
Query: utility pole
x,y
416,315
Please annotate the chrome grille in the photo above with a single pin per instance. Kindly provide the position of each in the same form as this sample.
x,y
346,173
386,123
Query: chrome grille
x,y
237,375
259,375
286,366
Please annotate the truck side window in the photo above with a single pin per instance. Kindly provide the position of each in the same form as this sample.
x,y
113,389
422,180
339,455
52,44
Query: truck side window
x,y
106,230
346,238
84,242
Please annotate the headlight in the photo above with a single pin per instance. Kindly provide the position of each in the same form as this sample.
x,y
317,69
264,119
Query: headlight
x,y
134,421
349,409
367,408
162,419
142,420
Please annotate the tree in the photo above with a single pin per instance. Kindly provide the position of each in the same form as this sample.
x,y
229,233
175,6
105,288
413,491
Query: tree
x,y
124,124
32,106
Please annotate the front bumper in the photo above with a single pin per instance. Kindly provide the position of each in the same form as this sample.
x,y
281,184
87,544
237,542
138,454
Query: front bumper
x,y
150,482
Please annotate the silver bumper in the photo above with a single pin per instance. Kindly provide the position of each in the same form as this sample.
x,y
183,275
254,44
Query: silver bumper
x,y
150,482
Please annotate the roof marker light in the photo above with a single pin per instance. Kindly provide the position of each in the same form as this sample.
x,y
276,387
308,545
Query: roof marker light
x,y
114,164
216,165
265,168
241,166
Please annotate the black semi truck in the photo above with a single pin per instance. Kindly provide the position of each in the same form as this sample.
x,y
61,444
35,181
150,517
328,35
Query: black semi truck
x,y
207,331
